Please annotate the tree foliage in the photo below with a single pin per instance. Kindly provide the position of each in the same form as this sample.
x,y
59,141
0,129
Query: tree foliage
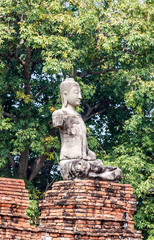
x,y
107,47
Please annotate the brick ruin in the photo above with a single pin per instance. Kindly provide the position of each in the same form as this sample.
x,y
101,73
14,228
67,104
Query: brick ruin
x,y
80,209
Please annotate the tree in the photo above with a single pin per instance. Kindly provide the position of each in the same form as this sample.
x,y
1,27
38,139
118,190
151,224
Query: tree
x,y
107,47
32,34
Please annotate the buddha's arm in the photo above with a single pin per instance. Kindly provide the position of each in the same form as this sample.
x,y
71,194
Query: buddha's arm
x,y
91,155
57,119
87,153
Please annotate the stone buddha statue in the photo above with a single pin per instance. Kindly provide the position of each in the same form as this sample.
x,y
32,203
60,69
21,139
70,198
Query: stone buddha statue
x,y
76,159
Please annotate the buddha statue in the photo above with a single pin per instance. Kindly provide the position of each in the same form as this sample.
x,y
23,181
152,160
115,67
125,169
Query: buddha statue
x,y
76,159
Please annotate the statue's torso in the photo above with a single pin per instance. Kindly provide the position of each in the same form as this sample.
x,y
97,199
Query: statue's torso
x,y
73,134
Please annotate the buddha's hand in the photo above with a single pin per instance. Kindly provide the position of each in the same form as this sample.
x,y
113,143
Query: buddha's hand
x,y
90,156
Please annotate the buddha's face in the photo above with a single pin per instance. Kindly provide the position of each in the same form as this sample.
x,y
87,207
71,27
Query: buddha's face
x,y
73,96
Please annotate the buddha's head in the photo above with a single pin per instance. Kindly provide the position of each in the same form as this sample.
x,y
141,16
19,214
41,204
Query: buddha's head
x,y
70,93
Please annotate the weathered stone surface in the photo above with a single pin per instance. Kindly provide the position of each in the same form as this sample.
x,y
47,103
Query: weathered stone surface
x,y
77,161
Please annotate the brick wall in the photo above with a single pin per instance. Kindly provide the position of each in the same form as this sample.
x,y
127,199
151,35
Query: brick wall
x,y
14,200
87,209
80,209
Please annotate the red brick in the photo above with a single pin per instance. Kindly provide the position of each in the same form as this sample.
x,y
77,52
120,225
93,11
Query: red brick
x,y
80,209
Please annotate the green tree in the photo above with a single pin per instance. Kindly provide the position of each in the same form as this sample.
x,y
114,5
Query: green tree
x,y
107,47
34,42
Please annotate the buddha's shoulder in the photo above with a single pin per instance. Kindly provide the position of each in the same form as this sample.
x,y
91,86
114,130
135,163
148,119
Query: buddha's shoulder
x,y
57,118
60,114
57,112
64,112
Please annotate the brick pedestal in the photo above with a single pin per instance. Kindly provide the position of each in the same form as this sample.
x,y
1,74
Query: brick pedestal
x,y
80,209
87,209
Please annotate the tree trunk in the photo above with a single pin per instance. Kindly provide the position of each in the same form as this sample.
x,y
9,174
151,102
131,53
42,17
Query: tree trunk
x,y
23,163
36,167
